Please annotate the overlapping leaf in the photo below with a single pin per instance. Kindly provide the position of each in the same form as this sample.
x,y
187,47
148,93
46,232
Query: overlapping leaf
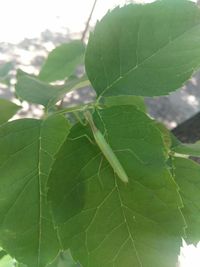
x,y
188,149
7,110
124,100
144,50
104,221
5,69
35,91
187,175
62,61
27,150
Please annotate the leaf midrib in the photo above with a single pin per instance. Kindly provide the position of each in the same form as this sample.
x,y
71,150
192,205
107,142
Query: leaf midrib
x,y
127,226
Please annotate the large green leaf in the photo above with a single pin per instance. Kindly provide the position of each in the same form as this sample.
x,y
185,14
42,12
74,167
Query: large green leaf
x,y
144,50
187,175
7,110
104,221
62,61
33,90
27,150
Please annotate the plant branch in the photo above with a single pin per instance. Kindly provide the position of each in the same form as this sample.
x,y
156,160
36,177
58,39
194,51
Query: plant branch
x,y
88,21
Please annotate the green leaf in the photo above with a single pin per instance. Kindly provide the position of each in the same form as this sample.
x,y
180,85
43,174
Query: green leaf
x,y
124,100
31,89
5,69
35,91
62,61
104,221
187,175
188,149
28,148
144,50
7,110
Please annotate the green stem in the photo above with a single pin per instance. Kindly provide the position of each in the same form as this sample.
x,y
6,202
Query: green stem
x,y
75,108
88,21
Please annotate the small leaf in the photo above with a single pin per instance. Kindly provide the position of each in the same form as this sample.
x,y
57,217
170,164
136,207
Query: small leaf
x,y
187,176
124,100
104,221
144,50
5,69
188,149
31,89
28,148
35,91
62,61
7,110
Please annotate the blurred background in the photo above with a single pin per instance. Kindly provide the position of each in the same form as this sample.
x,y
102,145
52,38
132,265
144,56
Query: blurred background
x,y
30,29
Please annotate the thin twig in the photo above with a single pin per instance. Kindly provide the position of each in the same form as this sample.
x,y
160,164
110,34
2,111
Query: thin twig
x,y
88,22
